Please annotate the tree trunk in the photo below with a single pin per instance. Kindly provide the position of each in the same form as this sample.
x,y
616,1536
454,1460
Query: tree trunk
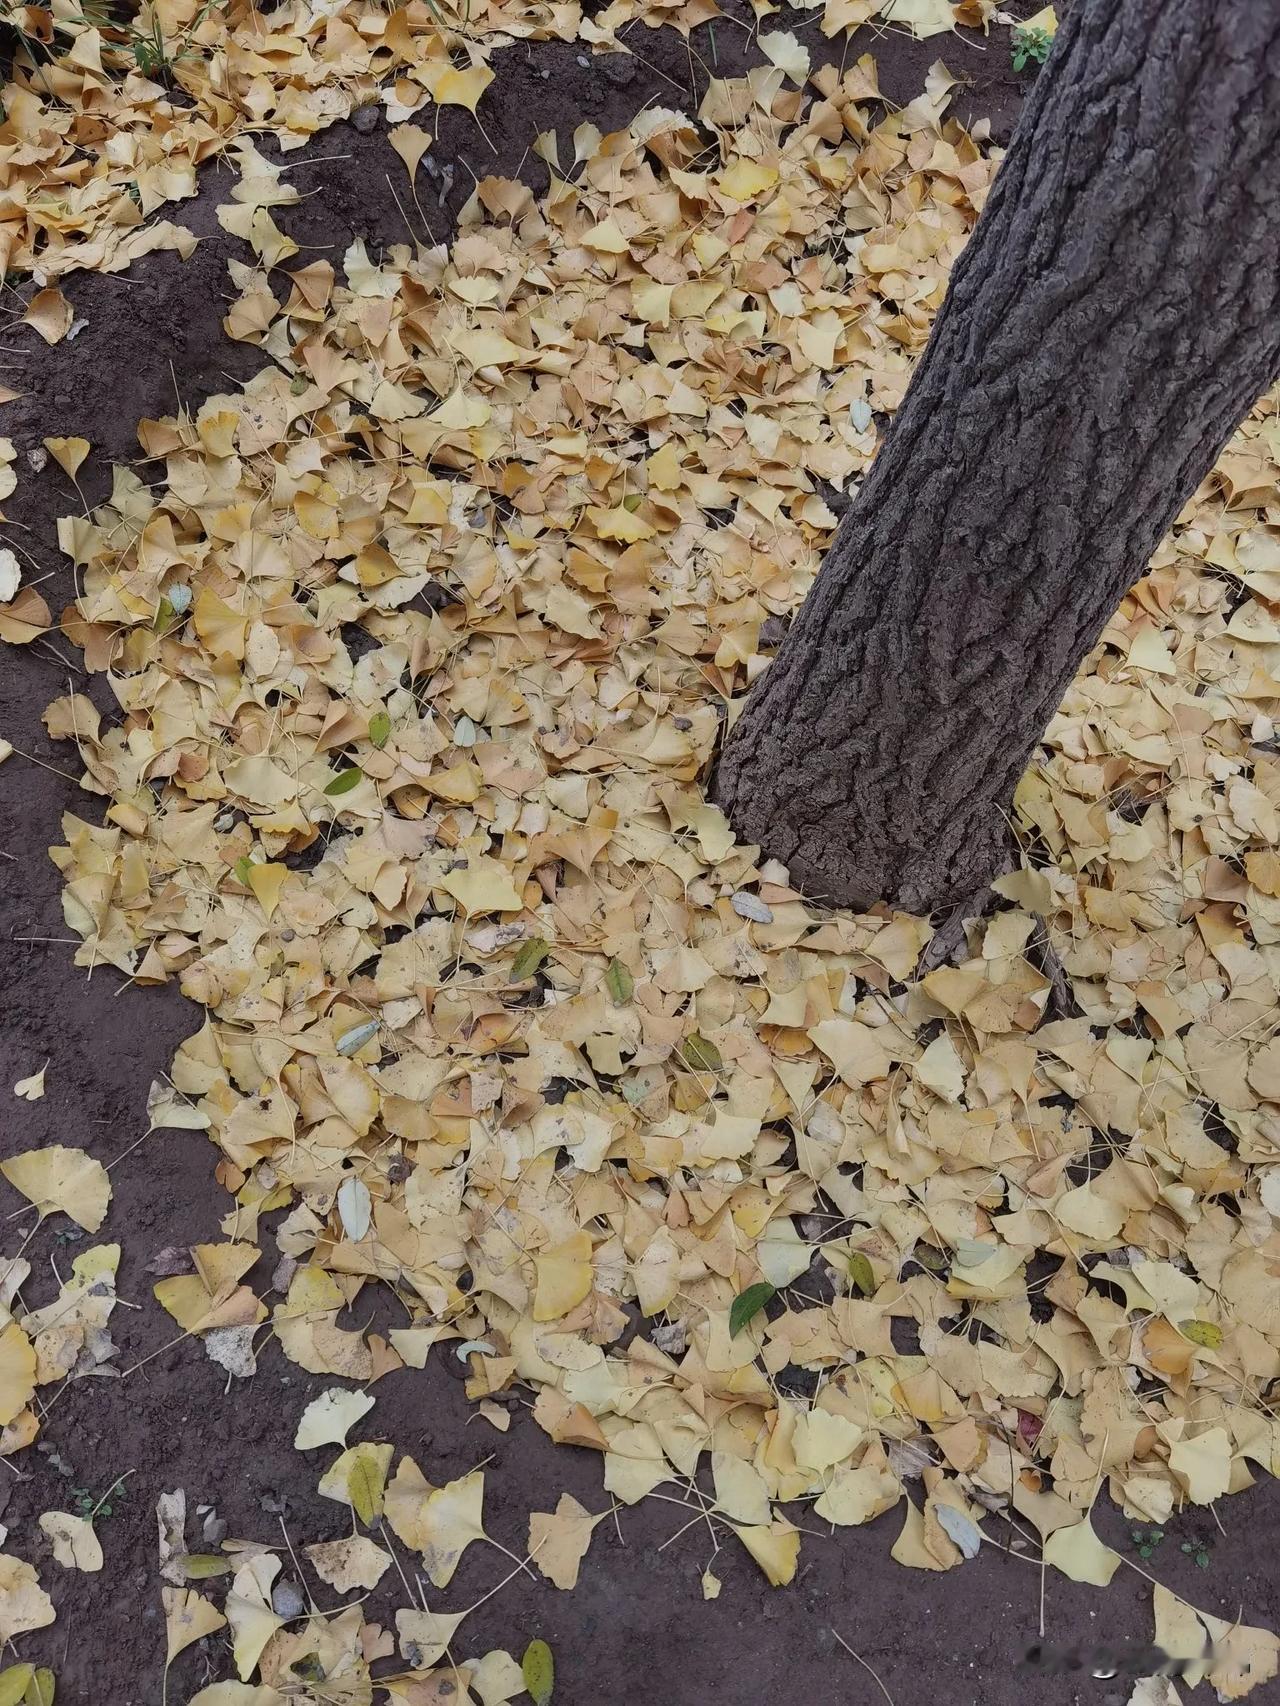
x,y
1112,319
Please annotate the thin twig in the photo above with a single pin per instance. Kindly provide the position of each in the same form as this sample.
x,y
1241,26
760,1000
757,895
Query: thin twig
x,y
848,1649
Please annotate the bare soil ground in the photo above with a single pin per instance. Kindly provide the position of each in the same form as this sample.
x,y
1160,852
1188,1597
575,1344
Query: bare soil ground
x,y
636,1629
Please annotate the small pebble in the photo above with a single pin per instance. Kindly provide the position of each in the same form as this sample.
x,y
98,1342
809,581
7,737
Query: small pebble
x,y
287,1600
364,119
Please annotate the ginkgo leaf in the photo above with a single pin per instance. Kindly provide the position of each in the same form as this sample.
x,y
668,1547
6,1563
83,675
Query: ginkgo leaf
x,y
24,618
188,1617
169,1110
496,1678
75,1544
349,1564
59,1180
786,53
410,142
855,1496
1078,1553
775,1546
358,1478
50,314
17,1372
327,1419
1203,1465
745,180
24,1605
250,1614
482,885
564,1277
68,453
438,1522
237,1694
741,1491
454,88
620,524
267,881
424,1635
31,1089
558,1542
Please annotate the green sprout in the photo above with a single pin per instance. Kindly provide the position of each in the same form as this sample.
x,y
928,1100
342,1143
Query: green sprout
x,y
1030,46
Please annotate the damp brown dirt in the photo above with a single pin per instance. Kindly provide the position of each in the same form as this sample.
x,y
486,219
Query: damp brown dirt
x,y
636,1629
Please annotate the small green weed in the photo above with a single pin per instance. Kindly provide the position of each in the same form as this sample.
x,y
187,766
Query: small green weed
x,y
1145,1540
99,1510
1030,46
1200,1550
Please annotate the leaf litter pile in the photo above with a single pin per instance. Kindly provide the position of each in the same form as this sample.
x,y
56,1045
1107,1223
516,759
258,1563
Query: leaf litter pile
x,y
423,642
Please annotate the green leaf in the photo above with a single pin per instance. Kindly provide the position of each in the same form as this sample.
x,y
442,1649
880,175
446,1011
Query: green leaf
x,y
749,1303
619,982
13,1683
1206,1333
243,865
366,1489
530,957
379,729
862,1273
40,1689
701,1054
201,1566
165,614
539,1671
344,782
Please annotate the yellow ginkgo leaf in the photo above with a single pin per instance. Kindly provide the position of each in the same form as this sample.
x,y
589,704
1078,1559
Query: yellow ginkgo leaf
x,y
565,1277
1078,1553
438,1522
24,1604
410,142
31,1089
326,1419
188,1617
744,180
741,1492
855,1496
249,1612
482,885
266,881
424,1635
17,1372
348,1564
620,524
237,1694
454,88
50,314
1203,1465
775,1546
75,1544
59,1180
558,1542
68,453
358,1477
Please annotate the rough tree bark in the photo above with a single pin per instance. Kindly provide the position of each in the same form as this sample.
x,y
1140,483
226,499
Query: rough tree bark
x,y
1113,317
